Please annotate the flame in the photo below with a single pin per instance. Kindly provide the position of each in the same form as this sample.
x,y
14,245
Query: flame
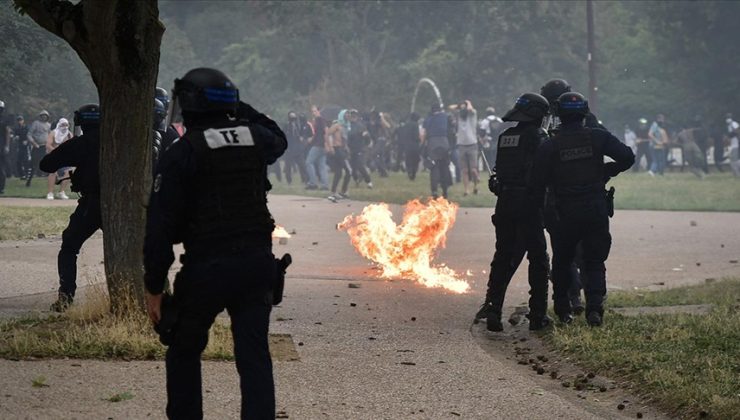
x,y
407,249
280,232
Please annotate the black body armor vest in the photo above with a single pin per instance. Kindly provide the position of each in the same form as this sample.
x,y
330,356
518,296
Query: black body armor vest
x,y
229,191
578,164
516,149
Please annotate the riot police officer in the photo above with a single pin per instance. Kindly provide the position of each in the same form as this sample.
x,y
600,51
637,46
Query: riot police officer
x,y
210,193
81,152
571,165
517,219
552,90
168,133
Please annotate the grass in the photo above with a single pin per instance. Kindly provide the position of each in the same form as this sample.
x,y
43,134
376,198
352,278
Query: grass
x,y
14,187
674,191
29,222
89,331
687,364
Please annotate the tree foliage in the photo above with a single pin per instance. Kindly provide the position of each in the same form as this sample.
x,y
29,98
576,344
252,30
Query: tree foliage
x,y
674,57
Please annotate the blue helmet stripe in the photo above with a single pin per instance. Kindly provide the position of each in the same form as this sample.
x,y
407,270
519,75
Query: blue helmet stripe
x,y
572,105
222,95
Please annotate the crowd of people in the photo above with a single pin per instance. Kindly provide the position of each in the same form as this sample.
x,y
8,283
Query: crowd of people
x,y
22,147
357,146
692,144
452,144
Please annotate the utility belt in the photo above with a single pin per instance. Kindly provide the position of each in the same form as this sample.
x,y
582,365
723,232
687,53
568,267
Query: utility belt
x,y
207,249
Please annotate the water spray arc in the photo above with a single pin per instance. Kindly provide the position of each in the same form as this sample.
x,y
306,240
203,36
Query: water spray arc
x,y
431,83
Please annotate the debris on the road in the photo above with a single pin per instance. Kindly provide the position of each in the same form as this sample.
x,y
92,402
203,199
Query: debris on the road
x,y
314,243
733,261
692,223
354,286
281,415
41,236
408,363
566,384
620,407
413,318
353,304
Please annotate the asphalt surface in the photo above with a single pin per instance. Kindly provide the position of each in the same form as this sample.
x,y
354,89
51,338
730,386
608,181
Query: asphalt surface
x,y
385,349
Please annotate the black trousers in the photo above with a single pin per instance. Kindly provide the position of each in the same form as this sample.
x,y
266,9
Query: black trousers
x,y
439,175
83,222
584,221
643,149
241,284
297,161
412,162
357,161
340,166
36,155
518,233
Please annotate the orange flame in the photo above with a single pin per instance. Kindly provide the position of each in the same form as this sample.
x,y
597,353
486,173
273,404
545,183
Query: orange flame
x,y
280,232
406,249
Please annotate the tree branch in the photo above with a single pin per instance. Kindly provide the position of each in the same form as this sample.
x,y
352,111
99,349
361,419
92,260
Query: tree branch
x,y
51,15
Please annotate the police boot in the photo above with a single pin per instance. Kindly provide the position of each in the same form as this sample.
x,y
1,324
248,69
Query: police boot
x,y
493,322
537,323
595,318
484,310
577,305
64,301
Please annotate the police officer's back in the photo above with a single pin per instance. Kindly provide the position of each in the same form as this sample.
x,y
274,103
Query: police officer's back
x,y
572,166
517,219
210,194
81,152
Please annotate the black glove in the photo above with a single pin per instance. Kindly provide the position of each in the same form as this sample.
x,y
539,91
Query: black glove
x,y
281,266
166,326
493,185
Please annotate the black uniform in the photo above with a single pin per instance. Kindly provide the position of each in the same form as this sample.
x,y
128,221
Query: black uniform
x,y
210,194
518,220
81,152
572,166
4,143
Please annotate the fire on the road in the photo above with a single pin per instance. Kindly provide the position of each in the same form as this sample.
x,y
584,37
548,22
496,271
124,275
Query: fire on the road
x,y
280,232
406,250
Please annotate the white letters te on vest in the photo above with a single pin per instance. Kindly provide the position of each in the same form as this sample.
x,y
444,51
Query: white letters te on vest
x,y
228,137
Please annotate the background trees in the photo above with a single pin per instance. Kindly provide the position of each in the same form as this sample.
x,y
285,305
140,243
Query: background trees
x,y
672,57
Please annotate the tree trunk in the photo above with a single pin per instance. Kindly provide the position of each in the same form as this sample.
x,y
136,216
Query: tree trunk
x,y
118,40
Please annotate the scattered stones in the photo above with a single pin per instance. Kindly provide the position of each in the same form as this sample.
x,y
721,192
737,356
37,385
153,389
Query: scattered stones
x,y
620,407
314,243
408,363
602,389
703,414
721,245
300,343
371,338
522,362
353,304
281,415
693,223
41,236
591,375
540,370
293,232
733,261
455,414
566,384
638,415
413,318
354,286
542,358
554,374
698,264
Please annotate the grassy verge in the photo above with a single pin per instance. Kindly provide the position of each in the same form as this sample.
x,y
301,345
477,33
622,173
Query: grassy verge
x,y
89,331
15,187
674,191
29,222
688,364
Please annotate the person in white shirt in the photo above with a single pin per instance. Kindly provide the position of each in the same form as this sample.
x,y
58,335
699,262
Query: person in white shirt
x,y
56,137
733,131
467,145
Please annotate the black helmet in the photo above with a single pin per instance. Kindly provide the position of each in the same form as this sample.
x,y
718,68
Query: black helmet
x,y
160,112
163,96
529,107
553,89
572,103
87,115
205,90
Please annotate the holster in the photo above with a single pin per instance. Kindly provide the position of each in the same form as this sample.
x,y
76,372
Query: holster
x,y
610,202
281,266
169,314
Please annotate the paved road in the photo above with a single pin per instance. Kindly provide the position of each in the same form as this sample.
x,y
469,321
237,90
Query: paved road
x,y
402,351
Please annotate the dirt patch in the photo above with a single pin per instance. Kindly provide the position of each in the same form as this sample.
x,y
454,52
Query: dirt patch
x,y
558,374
